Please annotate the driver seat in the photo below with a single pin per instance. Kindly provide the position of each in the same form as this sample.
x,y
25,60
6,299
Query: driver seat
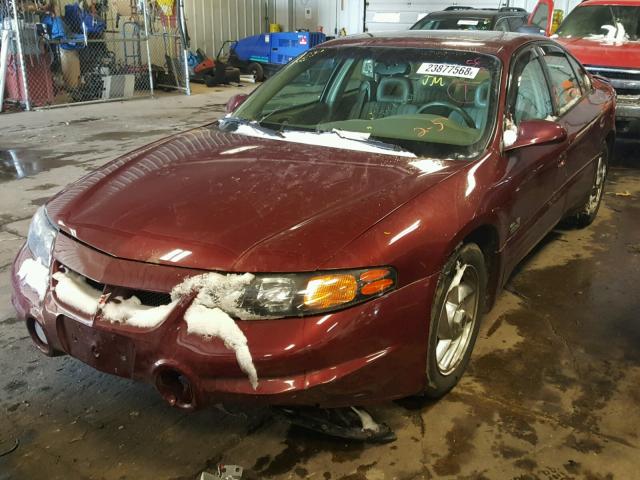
x,y
392,98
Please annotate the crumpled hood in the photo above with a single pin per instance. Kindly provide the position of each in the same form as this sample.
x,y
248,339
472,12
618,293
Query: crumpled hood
x,y
213,200
603,53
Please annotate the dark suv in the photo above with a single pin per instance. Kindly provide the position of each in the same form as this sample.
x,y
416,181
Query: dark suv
x,y
507,19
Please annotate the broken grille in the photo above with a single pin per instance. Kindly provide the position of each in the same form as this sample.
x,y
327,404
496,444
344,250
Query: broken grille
x,y
151,299
146,297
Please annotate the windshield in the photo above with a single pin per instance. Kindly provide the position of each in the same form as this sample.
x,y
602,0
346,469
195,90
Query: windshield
x,y
602,21
453,23
436,103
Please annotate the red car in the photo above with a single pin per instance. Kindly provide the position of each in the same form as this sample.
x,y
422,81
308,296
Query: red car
x,y
605,36
335,239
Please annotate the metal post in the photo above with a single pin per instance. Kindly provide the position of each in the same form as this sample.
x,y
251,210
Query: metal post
x,y
146,34
23,67
4,57
183,26
187,80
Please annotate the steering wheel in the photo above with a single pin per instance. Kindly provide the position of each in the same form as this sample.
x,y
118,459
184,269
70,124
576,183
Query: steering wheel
x,y
454,108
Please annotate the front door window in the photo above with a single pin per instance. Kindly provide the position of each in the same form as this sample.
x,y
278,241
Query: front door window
x,y
529,94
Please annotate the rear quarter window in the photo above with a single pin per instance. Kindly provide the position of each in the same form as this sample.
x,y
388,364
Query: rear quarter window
x,y
583,77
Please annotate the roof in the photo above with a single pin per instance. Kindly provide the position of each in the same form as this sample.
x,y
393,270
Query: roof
x,y
478,13
485,41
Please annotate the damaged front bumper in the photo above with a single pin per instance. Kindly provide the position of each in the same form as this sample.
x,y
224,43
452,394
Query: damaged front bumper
x,y
368,353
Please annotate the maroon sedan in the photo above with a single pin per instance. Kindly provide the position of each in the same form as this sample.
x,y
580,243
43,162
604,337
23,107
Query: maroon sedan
x,y
335,239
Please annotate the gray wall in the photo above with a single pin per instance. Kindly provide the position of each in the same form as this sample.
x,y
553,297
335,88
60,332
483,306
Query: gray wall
x,y
332,15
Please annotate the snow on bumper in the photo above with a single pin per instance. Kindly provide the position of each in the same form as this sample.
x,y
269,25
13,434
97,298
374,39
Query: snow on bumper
x,y
352,356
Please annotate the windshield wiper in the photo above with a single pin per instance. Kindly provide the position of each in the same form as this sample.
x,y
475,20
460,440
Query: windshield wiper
x,y
367,141
237,121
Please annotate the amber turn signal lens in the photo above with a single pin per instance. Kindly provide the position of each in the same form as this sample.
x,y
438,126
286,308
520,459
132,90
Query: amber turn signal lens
x,y
373,275
325,291
377,287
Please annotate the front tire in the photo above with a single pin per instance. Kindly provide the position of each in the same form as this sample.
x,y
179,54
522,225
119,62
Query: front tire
x,y
455,318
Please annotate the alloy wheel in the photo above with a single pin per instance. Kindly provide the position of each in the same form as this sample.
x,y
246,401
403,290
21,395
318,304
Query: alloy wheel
x,y
598,187
457,318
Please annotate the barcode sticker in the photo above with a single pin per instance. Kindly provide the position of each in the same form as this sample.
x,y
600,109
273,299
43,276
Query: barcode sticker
x,y
448,70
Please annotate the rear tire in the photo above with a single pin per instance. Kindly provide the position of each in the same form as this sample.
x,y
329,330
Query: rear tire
x,y
588,212
256,70
455,319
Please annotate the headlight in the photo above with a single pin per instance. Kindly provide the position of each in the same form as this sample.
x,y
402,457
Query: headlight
x,y
42,233
288,295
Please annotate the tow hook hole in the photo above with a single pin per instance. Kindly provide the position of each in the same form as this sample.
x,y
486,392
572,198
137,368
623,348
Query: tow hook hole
x,y
176,388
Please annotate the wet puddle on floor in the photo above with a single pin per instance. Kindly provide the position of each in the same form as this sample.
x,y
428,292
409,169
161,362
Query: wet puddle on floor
x,y
21,163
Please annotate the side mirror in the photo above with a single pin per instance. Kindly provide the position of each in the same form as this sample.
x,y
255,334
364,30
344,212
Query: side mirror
x,y
235,101
535,132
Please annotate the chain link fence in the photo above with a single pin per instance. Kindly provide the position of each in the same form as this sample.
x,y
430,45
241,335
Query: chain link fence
x,y
61,52
166,44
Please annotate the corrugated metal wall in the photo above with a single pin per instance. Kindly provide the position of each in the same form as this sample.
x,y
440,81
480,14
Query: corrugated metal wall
x,y
211,22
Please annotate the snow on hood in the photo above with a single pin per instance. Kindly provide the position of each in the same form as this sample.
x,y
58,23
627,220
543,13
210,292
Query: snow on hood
x,y
616,35
601,51
216,297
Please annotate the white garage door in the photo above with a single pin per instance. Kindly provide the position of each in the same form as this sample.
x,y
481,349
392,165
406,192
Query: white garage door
x,y
386,15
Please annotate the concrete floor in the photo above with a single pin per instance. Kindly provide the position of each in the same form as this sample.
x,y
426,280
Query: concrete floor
x,y
552,391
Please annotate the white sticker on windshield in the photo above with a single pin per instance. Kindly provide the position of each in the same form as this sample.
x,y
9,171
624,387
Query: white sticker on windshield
x,y
448,70
462,21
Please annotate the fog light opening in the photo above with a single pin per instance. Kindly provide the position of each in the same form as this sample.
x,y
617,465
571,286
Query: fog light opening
x,y
38,336
176,388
